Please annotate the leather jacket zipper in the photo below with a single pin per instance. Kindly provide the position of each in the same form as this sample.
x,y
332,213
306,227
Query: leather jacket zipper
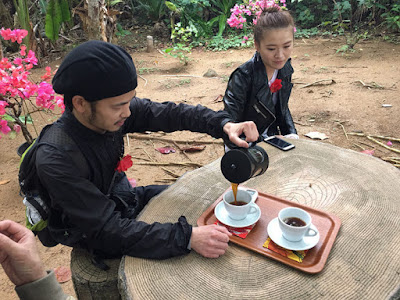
x,y
260,112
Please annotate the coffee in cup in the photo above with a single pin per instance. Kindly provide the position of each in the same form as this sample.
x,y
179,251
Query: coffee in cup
x,y
295,223
243,206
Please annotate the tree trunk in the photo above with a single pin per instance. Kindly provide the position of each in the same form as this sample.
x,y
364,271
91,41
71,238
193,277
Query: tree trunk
x,y
94,25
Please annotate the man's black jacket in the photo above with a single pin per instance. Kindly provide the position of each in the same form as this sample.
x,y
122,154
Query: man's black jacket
x,y
82,211
248,97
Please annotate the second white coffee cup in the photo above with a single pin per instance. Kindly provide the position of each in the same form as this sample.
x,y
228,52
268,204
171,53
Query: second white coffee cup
x,y
239,212
295,223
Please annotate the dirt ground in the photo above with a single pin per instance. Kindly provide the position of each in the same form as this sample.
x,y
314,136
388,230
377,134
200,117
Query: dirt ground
x,y
357,92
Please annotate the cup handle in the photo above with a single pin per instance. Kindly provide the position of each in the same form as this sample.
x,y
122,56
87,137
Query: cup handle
x,y
253,209
311,232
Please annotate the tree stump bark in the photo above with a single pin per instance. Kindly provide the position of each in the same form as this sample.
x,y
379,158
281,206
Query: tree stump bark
x,y
91,282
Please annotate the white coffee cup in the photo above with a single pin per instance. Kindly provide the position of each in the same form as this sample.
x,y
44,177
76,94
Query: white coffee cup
x,y
295,233
239,212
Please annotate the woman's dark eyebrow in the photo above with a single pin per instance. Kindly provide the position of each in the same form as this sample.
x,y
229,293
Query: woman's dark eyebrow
x,y
274,45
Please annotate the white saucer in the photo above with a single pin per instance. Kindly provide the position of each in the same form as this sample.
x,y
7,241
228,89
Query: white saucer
x,y
275,233
222,215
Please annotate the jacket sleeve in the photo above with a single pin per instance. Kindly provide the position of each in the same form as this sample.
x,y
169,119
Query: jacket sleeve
x,y
46,288
88,216
168,116
237,94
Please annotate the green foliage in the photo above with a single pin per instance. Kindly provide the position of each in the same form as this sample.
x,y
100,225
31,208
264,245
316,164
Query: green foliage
x,y
121,31
310,13
154,10
195,12
307,33
57,13
219,43
222,9
180,49
392,18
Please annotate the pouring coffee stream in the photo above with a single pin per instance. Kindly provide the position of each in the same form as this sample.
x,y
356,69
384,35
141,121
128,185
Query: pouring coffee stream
x,y
240,164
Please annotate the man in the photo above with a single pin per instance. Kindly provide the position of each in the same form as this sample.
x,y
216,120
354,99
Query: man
x,y
92,205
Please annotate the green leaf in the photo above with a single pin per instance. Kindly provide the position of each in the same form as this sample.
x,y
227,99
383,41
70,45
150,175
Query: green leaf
x,y
222,24
171,6
112,3
28,119
53,20
66,15
8,118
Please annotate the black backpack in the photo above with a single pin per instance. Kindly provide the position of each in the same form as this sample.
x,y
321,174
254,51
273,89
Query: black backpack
x,y
36,199
30,185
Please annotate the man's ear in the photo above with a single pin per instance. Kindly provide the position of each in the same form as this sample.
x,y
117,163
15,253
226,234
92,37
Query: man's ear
x,y
79,103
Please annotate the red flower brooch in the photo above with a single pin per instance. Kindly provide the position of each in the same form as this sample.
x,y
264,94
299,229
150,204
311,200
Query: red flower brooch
x,y
124,164
276,85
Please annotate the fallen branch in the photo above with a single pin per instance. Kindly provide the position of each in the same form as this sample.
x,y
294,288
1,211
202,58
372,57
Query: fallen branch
x,y
145,80
142,158
383,145
166,180
318,82
376,136
170,173
372,85
180,149
147,137
344,130
395,161
182,164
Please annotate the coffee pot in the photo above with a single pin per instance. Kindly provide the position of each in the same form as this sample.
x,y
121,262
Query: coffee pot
x,y
241,164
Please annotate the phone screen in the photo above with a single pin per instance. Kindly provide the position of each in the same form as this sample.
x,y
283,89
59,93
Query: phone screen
x,y
279,143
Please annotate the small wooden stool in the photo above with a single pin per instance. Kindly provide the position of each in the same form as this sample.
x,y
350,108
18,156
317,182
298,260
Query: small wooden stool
x,y
90,281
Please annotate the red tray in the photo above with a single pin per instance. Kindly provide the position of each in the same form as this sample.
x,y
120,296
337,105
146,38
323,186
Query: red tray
x,y
327,224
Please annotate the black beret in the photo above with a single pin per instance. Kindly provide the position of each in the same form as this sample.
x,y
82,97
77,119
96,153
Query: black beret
x,y
96,70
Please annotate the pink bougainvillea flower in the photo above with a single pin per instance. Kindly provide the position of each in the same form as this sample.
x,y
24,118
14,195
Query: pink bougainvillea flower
x,y
5,64
166,150
31,58
17,128
3,104
389,143
47,76
28,67
15,35
17,61
369,152
60,103
4,127
276,86
124,164
22,50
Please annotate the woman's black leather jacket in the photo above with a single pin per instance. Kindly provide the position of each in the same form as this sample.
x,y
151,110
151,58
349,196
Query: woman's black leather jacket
x,y
248,97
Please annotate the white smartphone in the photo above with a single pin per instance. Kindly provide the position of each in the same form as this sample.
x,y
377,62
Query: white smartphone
x,y
279,143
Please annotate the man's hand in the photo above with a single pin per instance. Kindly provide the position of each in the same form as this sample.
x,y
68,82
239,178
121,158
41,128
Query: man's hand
x,y
234,130
18,253
210,241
